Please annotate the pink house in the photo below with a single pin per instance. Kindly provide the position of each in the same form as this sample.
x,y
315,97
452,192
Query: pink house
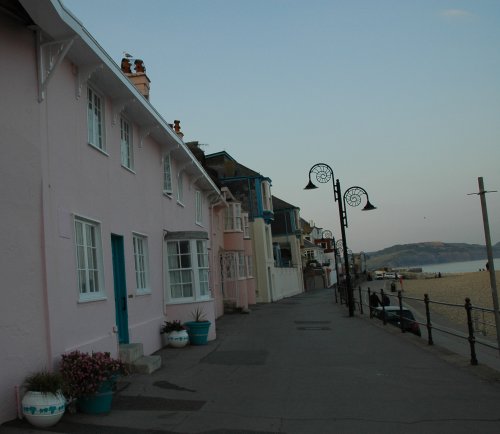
x,y
110,225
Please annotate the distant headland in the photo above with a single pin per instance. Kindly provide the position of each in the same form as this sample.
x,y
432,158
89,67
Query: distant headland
x,y
434,252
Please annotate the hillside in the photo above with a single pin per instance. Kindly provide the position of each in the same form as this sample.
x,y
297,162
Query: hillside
x,y
436,252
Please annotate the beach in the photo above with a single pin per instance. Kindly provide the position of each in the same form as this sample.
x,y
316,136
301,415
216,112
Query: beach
x,y
454,289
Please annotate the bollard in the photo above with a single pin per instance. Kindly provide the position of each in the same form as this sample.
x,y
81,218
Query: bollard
x,y
400,299
472,340
428,316
360,301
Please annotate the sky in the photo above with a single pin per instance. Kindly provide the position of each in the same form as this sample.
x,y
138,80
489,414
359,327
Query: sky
x,y
399,97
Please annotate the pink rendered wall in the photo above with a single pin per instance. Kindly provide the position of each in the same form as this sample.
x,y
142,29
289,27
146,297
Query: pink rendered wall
x,y
50,174
233,241
23,331
89,183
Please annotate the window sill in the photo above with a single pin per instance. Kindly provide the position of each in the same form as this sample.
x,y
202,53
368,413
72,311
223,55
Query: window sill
x,y
91,300
167,194
189,301
102,151
141,292
128,169
180,204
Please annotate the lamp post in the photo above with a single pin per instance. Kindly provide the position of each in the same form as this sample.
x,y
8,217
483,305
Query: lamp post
x,y
324,173
340,251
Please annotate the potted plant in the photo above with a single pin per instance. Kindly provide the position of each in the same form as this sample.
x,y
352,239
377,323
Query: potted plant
x,y
175,334
198,328
43,403
90,379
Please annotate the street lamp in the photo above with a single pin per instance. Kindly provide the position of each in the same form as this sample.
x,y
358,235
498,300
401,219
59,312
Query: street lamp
x,y
324,173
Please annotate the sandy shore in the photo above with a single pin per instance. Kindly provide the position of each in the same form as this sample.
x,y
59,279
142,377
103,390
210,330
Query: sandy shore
x,y
454,288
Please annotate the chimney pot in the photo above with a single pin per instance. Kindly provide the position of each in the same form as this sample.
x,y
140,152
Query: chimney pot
x,y
139,66
177,129
126,65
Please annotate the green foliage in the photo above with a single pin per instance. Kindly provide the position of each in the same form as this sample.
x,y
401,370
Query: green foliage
x,y
44,381
171,326
199,315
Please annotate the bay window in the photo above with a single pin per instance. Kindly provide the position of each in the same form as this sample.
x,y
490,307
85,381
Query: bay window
x,y
187,276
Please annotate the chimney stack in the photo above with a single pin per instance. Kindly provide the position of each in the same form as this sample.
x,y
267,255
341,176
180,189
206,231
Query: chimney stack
x,y
139,78
177,129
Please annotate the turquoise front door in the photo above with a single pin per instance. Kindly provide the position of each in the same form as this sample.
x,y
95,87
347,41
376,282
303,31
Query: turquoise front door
x,y
120,287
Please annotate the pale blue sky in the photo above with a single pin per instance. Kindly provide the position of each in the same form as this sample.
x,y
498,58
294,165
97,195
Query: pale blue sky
x,y
399,97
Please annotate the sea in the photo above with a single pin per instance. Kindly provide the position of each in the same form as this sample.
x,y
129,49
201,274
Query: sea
x,y
459,267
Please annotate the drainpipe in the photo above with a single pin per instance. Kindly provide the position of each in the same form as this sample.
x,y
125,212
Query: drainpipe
x,y
217,201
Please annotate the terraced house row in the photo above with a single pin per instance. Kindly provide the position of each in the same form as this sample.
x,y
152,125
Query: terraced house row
x,y
110,222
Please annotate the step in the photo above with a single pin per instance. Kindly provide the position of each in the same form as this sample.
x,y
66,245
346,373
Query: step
x,y
129,353
147,364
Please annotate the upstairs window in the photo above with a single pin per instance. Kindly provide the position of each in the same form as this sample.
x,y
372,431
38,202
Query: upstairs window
x,y
180,188
233,218
266,196
95,119
126,149
89,260
167,175
199,207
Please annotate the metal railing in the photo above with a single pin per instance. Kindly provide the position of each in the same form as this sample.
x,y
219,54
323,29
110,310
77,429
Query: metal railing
x,y
475,318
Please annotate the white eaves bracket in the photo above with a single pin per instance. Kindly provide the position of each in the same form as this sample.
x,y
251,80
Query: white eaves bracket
x,y
49,57
84,74
119,105
146,131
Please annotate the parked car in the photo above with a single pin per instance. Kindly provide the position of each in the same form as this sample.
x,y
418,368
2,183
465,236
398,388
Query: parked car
x,y
390,276
392,316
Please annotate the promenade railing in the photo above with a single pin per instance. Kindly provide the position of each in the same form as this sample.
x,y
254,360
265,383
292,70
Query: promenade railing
x,y
474,320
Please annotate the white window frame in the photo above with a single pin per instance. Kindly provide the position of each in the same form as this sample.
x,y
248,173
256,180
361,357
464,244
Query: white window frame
x,y
180,188
95,119
203,268
89,263
249,261
267,204
126,146
232,217
198,198
167,175
187,270
246,225
242,274
141,263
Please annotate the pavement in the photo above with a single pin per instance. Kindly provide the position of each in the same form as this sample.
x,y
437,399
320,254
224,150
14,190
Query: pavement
x,y
300,366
